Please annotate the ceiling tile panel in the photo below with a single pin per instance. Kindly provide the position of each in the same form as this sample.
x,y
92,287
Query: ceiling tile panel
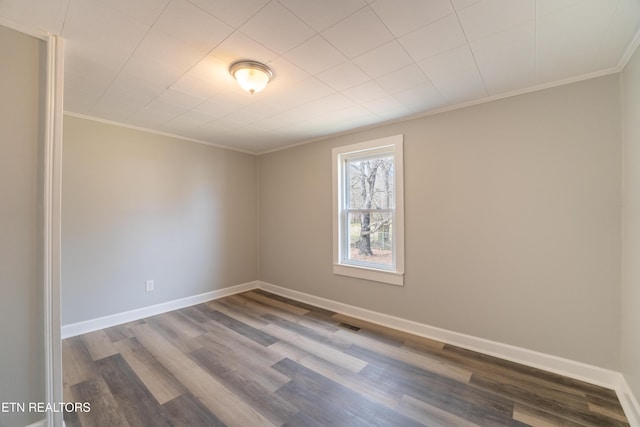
x,y
47,17
239,46
620,33
78,101
492,16
366,92
160,47
90,67
85,84
285,73
275,26
387,107
404,16
455,75
296,94
569,39
343,76
419,98
320,15
383,60
403,79
359,33
116,109
180,99
186,22
507,60
461,4
214,71
95,29
438,37
315,55
145,11
253,113
544,7
232,12
149,74
195,86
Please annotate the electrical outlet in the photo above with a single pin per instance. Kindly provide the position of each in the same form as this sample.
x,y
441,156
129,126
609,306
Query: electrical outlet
x,y
149,286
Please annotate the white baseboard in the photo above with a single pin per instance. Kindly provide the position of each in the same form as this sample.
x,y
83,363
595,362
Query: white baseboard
x,y
559,365
569,368
629,402
91,325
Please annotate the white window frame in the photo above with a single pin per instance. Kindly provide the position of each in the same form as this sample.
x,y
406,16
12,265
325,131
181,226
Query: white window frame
x,y
395,274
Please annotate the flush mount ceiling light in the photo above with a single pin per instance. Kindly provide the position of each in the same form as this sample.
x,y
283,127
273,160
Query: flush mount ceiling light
x,y
252,76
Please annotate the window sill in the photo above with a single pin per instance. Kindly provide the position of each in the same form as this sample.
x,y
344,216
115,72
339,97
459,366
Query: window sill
x,y
382,276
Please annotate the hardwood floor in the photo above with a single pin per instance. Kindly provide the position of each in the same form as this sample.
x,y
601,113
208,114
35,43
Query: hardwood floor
x,y
258,359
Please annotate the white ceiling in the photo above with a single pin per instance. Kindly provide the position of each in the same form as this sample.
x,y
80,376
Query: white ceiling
x,y
338,64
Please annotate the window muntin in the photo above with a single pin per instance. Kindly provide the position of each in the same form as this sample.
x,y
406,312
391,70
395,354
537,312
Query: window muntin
x,y
368,226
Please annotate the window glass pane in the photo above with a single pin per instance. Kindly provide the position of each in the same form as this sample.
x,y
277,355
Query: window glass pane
x,y
370,237
370,183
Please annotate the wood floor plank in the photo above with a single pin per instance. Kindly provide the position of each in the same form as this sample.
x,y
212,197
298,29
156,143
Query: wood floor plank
x,y
239,344
227,360
421,360
320,312
430,415
392,336
136,402
118,333
338,374
173,333
160,382
187,411
238,312
192,313
98,344
293,309
537,418
250,332
247,385
77,364
323,351
105,411
323,336
342,397
608,412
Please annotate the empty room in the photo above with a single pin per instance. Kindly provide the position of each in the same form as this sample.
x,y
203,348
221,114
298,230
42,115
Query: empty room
x,y
319,213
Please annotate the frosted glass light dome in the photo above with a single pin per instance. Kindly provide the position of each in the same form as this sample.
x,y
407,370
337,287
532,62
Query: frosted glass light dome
x,y
251,76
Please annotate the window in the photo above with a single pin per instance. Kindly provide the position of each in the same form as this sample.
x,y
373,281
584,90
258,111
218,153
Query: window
x,y
368,225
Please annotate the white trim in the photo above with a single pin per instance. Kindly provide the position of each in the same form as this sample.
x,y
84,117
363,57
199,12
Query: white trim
x,y
569,368
91,325
382,276
52,225
387,145
156,132
629,402
485,100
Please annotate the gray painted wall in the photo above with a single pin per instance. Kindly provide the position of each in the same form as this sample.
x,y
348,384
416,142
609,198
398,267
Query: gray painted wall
x,y
139,206
512,215
22,375
631,224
